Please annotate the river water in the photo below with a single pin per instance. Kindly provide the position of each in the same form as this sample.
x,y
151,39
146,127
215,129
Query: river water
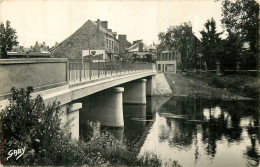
x,y
194,132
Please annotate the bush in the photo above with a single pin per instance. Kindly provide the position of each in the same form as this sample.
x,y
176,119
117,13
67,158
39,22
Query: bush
x,y
29,123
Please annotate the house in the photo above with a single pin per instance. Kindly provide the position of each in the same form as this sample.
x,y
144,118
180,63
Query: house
x,y
166,61
139,52
92,39
39,50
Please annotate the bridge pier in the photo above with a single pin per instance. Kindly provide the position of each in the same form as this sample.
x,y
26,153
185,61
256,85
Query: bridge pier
x,y
71,113
105,107
149,85
135,92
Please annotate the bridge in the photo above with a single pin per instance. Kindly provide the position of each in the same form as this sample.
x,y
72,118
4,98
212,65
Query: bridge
x,y
110,84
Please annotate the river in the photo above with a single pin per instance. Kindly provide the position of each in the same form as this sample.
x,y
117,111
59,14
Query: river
x,y
194,132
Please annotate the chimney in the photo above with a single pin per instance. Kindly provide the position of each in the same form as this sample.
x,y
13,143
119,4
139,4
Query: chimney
x,y
31,47
109,30
98,23
36,42
56,43
48,48
43,43
141,45
114,34
122,37
104,24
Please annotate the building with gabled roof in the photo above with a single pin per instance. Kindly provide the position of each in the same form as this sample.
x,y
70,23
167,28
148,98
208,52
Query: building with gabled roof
x,y
139,52
91,37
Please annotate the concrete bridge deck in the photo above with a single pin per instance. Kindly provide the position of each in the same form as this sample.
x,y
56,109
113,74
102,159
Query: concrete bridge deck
x,y
68,93
65,81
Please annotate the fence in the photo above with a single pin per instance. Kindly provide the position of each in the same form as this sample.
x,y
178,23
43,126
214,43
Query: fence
x,y
81,70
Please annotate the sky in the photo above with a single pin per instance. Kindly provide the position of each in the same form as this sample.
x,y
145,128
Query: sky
x,y
53,21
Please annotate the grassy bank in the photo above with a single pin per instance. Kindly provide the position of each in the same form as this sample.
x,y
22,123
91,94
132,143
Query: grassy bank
x,y
213,86
242,85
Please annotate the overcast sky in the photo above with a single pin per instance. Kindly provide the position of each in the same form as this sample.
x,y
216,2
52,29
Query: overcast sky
x,y
51,21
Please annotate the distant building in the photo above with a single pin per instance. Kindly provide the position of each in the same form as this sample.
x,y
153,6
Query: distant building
x,y
166,61
36,51
93,39
40,47
139,52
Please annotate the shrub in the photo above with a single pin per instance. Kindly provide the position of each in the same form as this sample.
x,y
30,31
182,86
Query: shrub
x,y
29,123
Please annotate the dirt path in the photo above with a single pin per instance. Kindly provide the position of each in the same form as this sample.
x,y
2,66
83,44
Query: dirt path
x,y
184,86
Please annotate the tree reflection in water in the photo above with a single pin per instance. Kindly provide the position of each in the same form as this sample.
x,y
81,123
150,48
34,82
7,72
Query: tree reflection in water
x,y
215,121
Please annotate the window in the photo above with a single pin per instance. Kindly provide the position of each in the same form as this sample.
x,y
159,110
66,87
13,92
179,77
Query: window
x,y
159,67
112,44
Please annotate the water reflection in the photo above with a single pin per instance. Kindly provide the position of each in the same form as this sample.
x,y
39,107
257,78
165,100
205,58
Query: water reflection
x,y
208,133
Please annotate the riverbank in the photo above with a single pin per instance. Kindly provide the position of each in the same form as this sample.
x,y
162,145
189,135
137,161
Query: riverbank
x,y
211,86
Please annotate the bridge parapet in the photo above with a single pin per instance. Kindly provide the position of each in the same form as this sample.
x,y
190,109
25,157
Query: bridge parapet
x,y
47,73
40,73
82,70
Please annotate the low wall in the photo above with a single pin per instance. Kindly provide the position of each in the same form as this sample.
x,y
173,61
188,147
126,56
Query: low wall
x,y
40,73
161,86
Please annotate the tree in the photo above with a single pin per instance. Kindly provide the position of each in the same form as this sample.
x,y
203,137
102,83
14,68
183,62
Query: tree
x,y
182,39
211,44
232,51
8,39
242,17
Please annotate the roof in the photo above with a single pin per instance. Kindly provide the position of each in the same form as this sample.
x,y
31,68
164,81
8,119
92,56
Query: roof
x,y
135,47
19,49
104,30
30,53
101,28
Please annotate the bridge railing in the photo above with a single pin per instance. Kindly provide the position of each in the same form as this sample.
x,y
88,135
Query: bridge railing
x,y
82,70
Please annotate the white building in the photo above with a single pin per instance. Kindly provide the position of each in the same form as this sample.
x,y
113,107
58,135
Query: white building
x,y
166,61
